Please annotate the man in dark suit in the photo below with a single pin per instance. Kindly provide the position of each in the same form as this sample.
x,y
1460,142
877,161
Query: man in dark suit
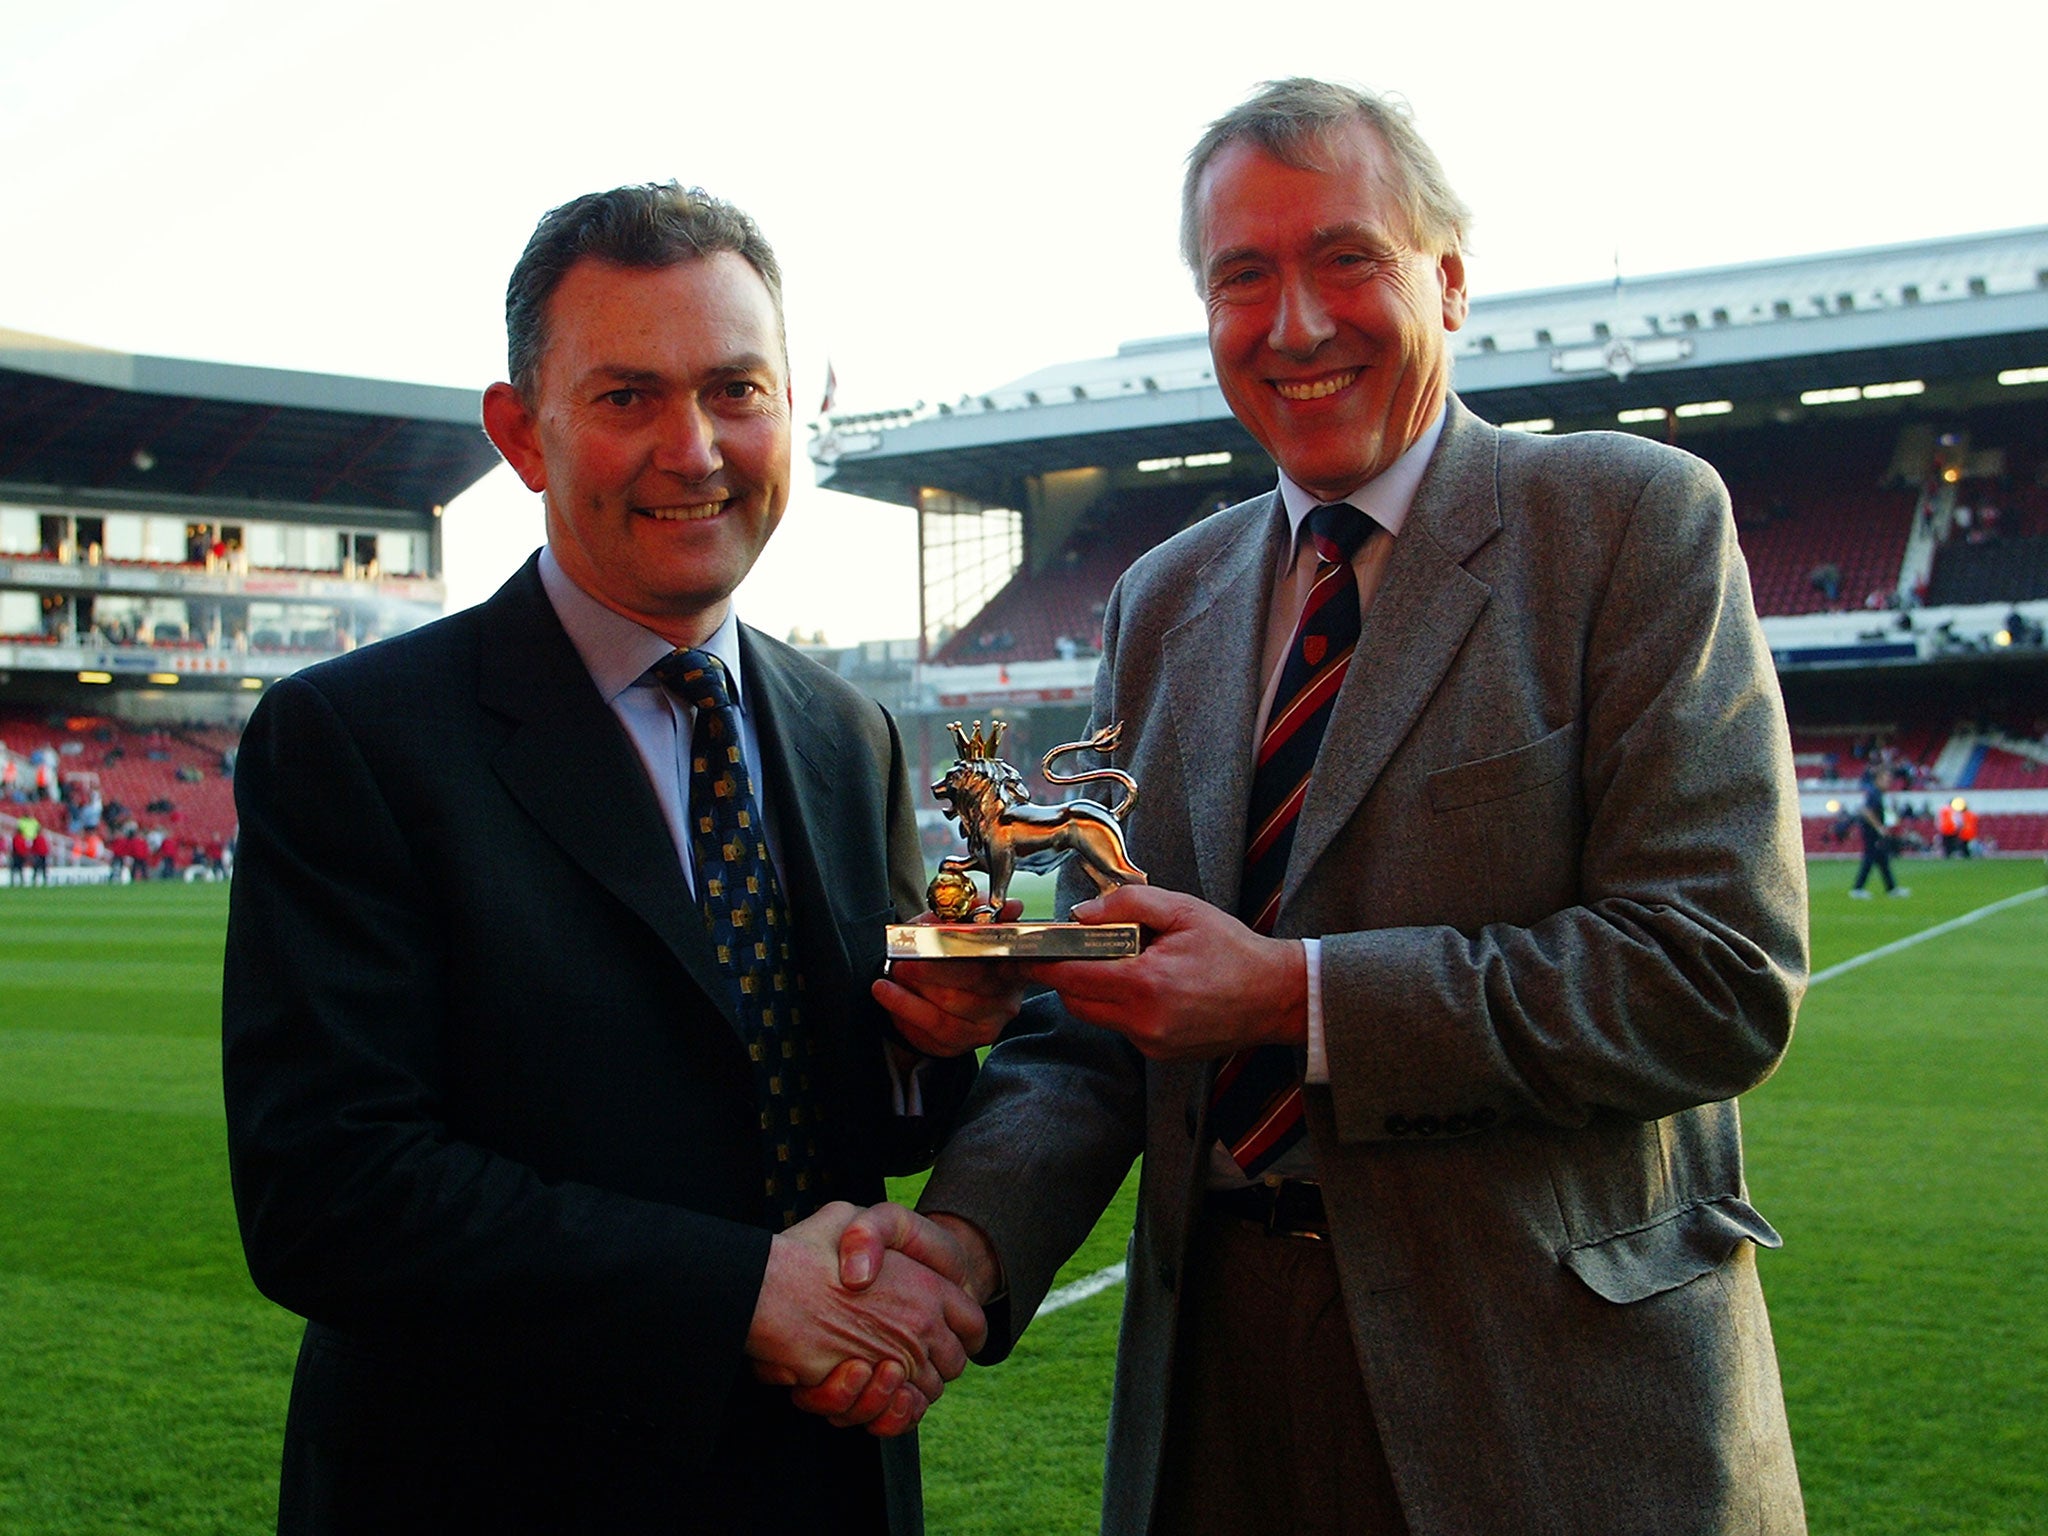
x,y
1476,898
550,1061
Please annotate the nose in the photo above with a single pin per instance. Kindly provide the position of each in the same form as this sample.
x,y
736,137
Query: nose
x,y
688,445
1300,322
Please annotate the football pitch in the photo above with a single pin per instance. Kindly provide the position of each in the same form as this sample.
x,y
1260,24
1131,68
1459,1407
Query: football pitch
x,y
1902,1150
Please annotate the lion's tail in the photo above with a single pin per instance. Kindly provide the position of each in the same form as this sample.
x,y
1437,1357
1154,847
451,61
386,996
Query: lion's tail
x,y
1104,741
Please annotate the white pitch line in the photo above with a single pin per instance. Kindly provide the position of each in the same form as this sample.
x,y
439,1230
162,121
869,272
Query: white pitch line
x,y
1082,1289
1922,936
1103,1279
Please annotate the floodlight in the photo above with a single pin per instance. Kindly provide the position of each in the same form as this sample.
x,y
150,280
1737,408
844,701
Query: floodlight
x,y
1642,413
2024,376
95,677
1706,408
1535,424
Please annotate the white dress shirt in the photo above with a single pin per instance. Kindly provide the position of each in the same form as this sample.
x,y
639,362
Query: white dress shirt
x,y
1385,500
618,654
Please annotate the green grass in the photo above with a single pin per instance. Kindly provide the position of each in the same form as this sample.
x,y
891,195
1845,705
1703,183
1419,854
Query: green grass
x,y
142,1379
1901,1151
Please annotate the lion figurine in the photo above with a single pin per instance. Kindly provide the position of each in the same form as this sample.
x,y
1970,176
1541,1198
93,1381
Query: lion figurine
x,y
1006,833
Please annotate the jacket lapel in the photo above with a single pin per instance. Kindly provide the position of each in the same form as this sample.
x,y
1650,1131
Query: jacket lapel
x,y
1426,605
1213,694
571,767
798,775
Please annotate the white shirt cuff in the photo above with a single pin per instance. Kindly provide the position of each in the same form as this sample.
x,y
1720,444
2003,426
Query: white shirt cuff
x,y
906,1091
1318,1057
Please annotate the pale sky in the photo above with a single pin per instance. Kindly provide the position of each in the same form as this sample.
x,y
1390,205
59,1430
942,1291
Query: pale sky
x,y
959,194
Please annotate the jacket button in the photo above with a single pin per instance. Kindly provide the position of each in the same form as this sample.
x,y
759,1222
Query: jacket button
x,y
1397,1125
1426,1125
1484,1116
1456,1125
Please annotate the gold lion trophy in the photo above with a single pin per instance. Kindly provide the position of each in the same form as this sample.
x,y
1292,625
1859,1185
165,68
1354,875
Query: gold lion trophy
x,y
1005,832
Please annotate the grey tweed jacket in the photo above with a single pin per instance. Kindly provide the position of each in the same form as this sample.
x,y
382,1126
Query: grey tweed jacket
x,y
1552,850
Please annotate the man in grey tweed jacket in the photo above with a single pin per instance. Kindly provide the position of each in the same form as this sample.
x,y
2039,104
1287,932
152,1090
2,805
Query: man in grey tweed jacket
x,y
1542,921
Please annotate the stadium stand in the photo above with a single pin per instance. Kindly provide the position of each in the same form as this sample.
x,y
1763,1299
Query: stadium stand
x,y
1880,417
176,535
171,779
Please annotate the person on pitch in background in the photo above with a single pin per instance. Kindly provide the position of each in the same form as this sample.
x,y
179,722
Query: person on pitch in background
x,y
1875,823
551,1064
1477,897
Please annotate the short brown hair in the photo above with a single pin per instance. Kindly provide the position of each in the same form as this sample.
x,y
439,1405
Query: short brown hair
x,y
660,224
1290,120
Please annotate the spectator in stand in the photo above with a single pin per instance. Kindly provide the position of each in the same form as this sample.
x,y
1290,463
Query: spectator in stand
x,y
134,848
91,811
1875,823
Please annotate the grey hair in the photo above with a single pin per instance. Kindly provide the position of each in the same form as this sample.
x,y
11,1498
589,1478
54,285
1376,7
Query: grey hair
x,y
1292,120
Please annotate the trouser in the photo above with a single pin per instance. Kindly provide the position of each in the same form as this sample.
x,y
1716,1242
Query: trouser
x,y
1879,857
1268,1429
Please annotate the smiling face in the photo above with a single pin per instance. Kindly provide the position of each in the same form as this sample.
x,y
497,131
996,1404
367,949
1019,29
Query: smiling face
x,y
658,435
1326,322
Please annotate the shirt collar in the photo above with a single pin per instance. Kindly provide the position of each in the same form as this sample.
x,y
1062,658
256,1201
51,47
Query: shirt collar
x,y
616,651
1387,497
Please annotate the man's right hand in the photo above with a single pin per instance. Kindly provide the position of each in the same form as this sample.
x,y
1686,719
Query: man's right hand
x,y
882,1351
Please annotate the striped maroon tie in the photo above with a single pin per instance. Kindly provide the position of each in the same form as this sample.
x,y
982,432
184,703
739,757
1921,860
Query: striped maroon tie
x,y
1255,1108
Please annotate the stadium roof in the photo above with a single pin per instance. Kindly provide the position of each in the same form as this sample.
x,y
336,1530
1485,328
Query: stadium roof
x,y
1972,305
159,429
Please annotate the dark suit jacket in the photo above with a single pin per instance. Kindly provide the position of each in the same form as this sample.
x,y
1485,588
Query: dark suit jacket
x,y
1552,850
492,1130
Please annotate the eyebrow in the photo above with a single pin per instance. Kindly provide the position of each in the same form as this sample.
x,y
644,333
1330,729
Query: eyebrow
x,y
1369,235
743,363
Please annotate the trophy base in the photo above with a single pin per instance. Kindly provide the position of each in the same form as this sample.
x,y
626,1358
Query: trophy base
x,y
1012,941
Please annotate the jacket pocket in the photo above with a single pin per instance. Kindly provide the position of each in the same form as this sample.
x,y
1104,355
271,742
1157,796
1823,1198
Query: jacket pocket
x,y
862,941
1668,1252
1540,762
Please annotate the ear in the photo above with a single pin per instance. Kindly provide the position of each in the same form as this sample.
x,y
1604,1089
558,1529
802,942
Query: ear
x,y
1451,271
510,426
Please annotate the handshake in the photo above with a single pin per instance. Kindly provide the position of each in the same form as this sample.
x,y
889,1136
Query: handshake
x,y
867,1315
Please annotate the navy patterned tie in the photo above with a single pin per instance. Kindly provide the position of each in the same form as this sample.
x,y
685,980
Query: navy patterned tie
x,y
1255,1107
750,929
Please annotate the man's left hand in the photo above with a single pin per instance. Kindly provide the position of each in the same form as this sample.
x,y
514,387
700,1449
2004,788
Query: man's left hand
x,y
1205,985
947,1007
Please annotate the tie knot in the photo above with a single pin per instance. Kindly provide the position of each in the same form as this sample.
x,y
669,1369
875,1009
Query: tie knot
x,y
698,676
1337,529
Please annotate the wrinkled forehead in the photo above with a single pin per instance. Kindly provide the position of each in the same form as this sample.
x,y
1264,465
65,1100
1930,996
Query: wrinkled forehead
x,y
1353,152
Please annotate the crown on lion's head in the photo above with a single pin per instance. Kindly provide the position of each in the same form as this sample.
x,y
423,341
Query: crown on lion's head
x,y
977,748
